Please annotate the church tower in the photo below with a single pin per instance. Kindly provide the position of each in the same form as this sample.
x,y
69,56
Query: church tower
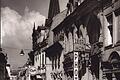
x,y
54,9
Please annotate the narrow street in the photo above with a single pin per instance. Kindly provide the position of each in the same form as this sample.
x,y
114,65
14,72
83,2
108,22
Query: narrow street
x,y
60,40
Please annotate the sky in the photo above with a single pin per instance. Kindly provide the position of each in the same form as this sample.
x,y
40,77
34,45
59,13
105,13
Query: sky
x,y
17,19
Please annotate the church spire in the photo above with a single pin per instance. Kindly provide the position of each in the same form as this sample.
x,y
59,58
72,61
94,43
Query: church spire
x,y
34,26
54,8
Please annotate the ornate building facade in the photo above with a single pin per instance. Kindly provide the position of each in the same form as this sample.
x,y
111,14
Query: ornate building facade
x,y
82,41
39,43
97,29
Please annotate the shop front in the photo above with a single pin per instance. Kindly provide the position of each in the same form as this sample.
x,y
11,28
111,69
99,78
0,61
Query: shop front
x,y
111,63
36,74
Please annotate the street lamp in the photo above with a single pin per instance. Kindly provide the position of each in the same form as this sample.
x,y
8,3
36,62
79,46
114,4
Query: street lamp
x,y
22,52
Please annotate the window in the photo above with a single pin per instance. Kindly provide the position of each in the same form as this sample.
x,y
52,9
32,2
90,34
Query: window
x,y
36,58
114,23
58,36
61,37
118,34
117,18
52,63
110,27
42,60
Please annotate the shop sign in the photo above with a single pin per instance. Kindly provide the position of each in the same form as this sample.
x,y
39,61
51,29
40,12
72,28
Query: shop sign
x,y
76,65
38,76
79,44
32,70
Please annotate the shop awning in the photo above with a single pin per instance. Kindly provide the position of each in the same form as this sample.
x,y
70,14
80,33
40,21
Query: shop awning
x,y
54,49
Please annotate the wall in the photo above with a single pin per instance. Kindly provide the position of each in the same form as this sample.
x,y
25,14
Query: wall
x,y
58,72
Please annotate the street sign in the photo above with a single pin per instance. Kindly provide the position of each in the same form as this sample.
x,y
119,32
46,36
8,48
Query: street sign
x,y
79,44
38,76
76,56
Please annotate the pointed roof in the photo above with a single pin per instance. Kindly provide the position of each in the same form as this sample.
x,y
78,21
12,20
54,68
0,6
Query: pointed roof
x,y
54,8
34,26
39,28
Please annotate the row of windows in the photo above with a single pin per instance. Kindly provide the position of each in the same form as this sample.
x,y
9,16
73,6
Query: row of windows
x,y
55,62
114,26
40,59
58,37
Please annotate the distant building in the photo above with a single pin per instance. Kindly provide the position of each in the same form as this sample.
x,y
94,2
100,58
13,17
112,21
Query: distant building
x,y
39,43
54,51
4,72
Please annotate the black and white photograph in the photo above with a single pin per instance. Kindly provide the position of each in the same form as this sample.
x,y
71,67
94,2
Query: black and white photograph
x,y
60,40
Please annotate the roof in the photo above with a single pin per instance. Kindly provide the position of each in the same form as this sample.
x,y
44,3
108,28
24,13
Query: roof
x,y
58,19
41,28
82,10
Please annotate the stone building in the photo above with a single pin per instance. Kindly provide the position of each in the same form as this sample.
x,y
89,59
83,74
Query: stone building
x,y
3,63
4,72
54,50
82,41
39,43
111,54
95,25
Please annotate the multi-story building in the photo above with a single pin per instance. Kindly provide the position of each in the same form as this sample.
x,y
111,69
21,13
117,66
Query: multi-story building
x,y
75,43
82,41
54,51
3,62
111,53
91,23
69,43
4,66
39,43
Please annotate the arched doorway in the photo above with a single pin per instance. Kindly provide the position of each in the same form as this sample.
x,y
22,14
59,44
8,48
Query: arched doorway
x,y
114,60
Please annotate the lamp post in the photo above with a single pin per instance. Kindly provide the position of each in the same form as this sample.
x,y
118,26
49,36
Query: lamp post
x,y
27,65
22,52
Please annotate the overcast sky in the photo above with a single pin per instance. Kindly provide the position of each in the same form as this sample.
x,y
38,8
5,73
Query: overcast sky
x,y
17,19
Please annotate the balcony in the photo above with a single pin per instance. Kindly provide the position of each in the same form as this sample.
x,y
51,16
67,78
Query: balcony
x,y
42,44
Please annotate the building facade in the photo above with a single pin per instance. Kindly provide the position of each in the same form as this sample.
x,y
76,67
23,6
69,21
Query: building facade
x,y
82,41
3,63
39,43
97,34
111,55
54,51
4,67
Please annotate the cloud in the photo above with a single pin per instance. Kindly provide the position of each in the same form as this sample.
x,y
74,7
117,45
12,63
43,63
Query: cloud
x,y
17,29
